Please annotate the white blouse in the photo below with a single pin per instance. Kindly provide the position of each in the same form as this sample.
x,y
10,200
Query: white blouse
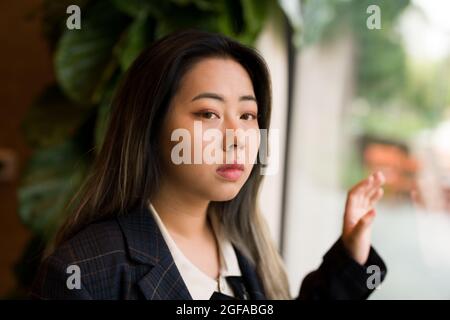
x,y
200,285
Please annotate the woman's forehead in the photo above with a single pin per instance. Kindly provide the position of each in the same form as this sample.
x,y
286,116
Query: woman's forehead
x,y
221,76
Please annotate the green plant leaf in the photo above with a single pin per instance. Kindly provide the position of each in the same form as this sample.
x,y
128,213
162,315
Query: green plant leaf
x,y
54,18
83,59
176,18
52,119
51,177
135,8
242,20
231,20
201,4
255,14
138,35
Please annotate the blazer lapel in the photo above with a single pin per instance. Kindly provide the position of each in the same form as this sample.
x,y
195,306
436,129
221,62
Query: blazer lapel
x,y
164,282
250,277
146,245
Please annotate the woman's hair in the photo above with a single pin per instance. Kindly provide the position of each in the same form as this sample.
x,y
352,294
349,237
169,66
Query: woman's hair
x,y
127,170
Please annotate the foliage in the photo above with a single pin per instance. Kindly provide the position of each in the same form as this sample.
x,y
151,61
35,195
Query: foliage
x,y
381,58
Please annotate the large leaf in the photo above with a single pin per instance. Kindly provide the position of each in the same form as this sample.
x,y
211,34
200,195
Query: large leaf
x,y
255,13
160,8
205,5
51,178
54,18
176,17
52,119
83,60
135,8
242,20
138,35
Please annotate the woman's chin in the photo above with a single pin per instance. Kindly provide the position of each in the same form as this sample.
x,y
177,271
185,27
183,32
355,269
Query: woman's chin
x,y
225,193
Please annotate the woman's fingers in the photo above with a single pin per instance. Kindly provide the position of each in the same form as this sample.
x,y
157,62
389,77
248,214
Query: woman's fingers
x,y
351,220
361,186
368,187
372,182
363,224
373,194
376,196
362,197
357,239
359,215
360,226
380,177
378,181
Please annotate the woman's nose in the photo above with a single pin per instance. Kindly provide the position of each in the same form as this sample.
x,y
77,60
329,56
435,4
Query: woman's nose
x,y
231,122
231,134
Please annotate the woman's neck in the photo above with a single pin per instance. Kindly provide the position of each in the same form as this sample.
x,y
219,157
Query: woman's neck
x,y
185,218
184,215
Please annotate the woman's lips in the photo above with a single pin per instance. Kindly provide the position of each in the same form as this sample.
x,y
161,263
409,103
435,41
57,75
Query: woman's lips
x,y
231,172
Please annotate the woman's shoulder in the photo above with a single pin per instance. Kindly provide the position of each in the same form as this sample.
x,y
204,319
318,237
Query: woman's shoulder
x,y
97,251
97,240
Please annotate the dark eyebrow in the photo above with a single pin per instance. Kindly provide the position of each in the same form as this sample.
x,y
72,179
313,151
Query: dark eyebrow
x,y
247,98
210,95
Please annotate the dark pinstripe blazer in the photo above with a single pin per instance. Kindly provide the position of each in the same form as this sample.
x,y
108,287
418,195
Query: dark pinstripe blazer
x,y
127,258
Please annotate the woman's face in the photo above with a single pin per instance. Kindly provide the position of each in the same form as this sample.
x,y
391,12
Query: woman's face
x,y
217,94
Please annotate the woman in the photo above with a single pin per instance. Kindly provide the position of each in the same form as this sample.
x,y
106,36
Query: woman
x,y
147,227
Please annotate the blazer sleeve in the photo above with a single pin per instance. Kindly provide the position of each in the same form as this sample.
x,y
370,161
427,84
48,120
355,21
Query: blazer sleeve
x,y
51,283
340,277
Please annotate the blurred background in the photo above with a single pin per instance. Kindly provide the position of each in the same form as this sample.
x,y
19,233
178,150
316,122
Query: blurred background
x,y
358,86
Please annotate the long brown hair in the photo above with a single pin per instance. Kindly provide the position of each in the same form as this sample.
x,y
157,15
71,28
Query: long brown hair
x,y
127,169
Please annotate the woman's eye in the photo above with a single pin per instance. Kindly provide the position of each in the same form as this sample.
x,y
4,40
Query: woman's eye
x,y
248,116
208,115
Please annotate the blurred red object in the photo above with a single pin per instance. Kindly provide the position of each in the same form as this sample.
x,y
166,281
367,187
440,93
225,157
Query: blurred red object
x,y
395,162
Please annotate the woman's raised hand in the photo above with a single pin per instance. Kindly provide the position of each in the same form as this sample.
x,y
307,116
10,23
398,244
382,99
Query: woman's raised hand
x,y
359,215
